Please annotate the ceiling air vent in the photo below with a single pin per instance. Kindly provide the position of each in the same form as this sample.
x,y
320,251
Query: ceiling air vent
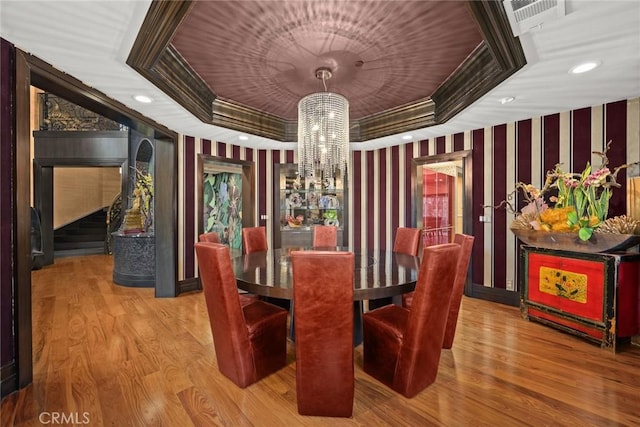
x,y
527,14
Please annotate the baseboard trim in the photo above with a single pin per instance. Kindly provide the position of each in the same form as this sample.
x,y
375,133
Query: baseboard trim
x,y
189,285
8,379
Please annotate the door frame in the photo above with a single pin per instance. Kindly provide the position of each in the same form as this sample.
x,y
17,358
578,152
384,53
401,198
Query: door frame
x,y
76,149
466,158
32,71
474,290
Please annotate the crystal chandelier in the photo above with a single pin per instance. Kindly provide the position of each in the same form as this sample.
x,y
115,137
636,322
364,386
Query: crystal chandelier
x,y
323,132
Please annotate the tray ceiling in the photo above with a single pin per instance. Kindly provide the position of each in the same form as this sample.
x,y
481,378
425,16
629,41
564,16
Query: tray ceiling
x,y
382,54
393,60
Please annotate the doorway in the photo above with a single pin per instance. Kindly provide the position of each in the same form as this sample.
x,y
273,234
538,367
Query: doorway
x,y
441,186
74,174
443,207
31,71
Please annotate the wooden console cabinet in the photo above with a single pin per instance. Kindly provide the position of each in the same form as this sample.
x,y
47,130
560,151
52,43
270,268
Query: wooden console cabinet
x,y
592,295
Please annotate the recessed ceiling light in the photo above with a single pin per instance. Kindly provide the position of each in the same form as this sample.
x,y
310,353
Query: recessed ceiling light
x,y
243,138
584,67
507,99
143,98
407,137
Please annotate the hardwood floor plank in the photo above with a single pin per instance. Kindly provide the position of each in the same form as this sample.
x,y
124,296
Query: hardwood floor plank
x,y
42,332
110,397
111,299
137,399
81,389
199,407
222,392
167,404
55,391
130,359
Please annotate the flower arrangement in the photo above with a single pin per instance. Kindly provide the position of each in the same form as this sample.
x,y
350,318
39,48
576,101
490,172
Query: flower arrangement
x,y
581,204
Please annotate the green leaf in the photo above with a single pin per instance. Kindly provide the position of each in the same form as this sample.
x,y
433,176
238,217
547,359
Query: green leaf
x,y
581,201
572,217
563,200
585,233
604,204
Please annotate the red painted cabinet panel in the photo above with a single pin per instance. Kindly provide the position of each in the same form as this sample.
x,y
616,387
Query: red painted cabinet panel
x,y
591,295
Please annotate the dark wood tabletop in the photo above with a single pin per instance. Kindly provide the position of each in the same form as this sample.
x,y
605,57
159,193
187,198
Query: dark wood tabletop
x,y
378,273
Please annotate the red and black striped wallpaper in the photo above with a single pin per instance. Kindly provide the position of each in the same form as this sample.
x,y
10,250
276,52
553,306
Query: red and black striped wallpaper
x,y
380,180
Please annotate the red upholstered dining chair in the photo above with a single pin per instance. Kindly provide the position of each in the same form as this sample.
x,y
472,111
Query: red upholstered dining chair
x,y
325,236
466,245
407,240
402,347
323,309
254,239
213,237
251,341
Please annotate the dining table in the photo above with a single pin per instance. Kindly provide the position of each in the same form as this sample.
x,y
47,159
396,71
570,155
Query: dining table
x,y
378,274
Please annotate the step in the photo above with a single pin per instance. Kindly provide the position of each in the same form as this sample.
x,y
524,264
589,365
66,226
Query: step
x,y
78,252
78,245
80,238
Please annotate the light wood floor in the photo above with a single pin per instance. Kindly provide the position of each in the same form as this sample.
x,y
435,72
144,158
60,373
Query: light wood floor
x,y
126,358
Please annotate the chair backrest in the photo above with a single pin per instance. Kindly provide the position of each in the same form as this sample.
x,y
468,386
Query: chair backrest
x,y
323,311
254,239
325,236
466,245
230,335
407,240
419,354
211,237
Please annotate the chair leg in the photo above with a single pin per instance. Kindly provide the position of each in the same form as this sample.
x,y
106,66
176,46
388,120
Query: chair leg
x,y
358,311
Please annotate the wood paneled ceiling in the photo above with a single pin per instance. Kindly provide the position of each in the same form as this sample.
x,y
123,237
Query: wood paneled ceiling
x,y
403,65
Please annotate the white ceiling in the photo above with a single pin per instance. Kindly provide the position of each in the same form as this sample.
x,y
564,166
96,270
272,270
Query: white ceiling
x,y
90,40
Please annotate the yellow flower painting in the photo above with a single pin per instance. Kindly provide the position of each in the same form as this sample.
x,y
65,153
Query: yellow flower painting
x,y
564,284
